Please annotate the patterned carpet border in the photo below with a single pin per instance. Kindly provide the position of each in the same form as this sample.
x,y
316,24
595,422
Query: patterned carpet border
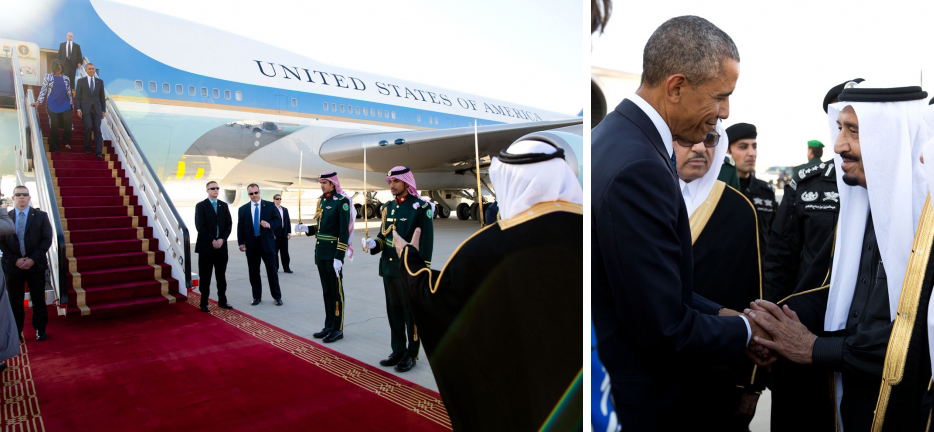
x,y
422,403
20,407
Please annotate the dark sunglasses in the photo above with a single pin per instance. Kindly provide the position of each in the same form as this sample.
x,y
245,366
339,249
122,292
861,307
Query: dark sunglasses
x,y
214,188
277,199
710,140
21,194
254,193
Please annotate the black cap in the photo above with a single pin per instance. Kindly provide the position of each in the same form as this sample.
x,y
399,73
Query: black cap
x,y
741,131
834,92
894,94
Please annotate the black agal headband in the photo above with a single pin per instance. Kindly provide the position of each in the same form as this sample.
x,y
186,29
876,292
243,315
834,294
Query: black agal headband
x,y
527,158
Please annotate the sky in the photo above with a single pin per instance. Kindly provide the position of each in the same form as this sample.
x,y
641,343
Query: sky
x,y
791,53
523,51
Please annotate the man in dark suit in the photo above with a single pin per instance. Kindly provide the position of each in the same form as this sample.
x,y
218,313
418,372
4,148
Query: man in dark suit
x,y
282,234
256,237
91,108
24,261
653,332
70,55
212,220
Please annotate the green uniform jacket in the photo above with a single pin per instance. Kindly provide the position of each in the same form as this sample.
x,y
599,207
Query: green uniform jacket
x,y
332,230
728,173
412,213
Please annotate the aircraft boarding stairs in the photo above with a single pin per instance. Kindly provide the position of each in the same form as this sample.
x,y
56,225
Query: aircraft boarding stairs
x,y
121,243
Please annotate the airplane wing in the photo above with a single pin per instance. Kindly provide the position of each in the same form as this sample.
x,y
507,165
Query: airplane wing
x,y
441,150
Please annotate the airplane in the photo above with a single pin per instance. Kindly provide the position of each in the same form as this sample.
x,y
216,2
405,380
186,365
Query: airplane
x,y
204,103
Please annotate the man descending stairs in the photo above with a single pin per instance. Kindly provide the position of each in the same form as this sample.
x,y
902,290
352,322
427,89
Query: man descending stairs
x,y
113,259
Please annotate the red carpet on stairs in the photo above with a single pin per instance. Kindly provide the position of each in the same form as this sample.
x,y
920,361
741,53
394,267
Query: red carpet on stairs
x,y
114,261
178,369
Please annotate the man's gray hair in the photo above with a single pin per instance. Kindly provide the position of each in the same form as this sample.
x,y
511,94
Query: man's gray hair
x,y
688,45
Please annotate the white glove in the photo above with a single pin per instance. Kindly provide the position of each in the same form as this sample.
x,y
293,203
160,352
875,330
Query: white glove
x,y
301,228
337,267
369,243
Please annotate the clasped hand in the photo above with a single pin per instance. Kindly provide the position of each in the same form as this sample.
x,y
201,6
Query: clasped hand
x,y
758,353
786,335
25,263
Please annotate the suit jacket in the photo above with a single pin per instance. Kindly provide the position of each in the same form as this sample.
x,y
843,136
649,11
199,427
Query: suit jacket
x,y
38,239
90,102
207,223
76,56
651,327
268,213
280,231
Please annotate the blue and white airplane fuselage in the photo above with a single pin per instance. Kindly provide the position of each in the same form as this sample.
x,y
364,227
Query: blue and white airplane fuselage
x,y
205,104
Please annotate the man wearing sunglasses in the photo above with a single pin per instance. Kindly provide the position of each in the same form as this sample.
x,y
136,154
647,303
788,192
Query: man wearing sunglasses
x,y
213,222
256,237
24,261
720,215
744,149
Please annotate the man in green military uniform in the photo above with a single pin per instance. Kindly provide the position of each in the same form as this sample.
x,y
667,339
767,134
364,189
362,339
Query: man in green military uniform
x,y
815,151
403,215
334,229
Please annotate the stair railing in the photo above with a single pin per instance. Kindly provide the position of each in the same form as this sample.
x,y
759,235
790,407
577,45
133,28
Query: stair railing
x,y
48,201
168,225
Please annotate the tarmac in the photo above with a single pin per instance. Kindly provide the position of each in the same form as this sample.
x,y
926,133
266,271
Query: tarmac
x,y
366,326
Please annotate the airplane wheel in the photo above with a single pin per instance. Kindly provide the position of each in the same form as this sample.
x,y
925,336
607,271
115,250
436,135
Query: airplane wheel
x,y
230,196
373,211
474,211
463,211
442,212
359,209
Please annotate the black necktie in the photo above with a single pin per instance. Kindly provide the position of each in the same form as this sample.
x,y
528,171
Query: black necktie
x,y
92,90
674,164
69,50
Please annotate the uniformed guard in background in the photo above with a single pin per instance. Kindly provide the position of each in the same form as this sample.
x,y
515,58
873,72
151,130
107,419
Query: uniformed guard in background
x,y
805,219
815,151
403,215
744,149
334,229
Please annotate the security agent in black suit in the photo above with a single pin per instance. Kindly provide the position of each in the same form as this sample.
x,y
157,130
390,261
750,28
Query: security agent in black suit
x,y
653,332
213,222
282,234
256,237
91,108
24,261
70,54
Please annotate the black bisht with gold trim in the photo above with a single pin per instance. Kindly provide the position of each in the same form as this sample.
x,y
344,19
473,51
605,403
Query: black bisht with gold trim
x,y
501,321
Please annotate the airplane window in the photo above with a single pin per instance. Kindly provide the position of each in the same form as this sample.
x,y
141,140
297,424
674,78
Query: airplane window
x,y
294,102
379,112
239,95
227,94
358,110
334,107
419,117
204,92
216,93
372,112
179,89
152,86
342,108
393,114
166,88
138,85
325,106
191,90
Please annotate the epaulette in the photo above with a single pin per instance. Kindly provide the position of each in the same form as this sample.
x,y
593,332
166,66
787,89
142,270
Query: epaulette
x,y
425,204
810,171
728,159
386,204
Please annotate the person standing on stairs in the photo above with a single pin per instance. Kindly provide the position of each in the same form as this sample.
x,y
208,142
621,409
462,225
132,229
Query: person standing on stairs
x,y
70,54
57,88
24,261
255,236
282,235
91,108
213,222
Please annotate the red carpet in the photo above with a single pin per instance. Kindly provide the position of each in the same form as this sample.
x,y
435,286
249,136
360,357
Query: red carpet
x,y
178,369
114,260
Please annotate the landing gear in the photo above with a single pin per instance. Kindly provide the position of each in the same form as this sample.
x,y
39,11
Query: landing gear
x,y
463,211
442,212
359,209
373,211
474,211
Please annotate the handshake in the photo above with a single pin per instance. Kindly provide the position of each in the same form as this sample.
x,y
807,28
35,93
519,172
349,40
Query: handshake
x,y
776,331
